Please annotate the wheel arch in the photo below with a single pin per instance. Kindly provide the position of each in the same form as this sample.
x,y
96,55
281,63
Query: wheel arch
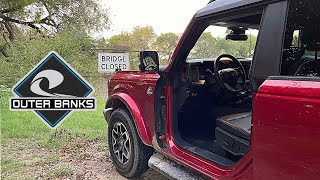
x,y
126,102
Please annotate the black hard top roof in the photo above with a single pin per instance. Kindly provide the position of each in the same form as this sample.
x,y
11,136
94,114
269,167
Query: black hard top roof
x,y
222,5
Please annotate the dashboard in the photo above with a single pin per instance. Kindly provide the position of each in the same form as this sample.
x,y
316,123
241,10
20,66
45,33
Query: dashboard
x,y
198,70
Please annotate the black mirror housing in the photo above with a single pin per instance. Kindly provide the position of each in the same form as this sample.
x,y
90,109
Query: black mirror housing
x,y
237,37
237,34
149,61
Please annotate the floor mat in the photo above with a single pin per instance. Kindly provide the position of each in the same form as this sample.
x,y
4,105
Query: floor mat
x,y
205,143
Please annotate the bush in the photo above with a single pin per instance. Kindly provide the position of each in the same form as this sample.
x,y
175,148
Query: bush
x,y
26,52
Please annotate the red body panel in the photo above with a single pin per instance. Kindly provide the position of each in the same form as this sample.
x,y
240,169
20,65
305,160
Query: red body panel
x,y
286,127
286,131
130,87
136,114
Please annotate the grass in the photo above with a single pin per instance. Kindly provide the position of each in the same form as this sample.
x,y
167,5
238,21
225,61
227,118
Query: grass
x,y
88,125
9,165
59,172
23,130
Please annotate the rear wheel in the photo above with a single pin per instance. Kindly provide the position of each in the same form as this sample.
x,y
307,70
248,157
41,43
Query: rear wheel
x,y
129,155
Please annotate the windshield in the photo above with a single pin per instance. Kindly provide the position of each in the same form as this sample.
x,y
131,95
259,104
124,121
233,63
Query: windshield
x,y
212,43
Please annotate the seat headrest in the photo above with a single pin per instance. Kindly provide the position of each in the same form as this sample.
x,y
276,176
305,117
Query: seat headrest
x,y
311,39
314,46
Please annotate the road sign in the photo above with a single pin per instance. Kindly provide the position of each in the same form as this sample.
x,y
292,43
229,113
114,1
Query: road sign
x,y
110,62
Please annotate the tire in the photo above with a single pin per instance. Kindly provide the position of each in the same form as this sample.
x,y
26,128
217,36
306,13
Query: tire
x,y
135,162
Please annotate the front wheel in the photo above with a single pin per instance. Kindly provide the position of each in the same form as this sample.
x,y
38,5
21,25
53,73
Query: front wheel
x,y
128,153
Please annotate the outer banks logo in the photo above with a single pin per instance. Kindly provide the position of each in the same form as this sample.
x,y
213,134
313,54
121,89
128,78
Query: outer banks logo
x,y
52,89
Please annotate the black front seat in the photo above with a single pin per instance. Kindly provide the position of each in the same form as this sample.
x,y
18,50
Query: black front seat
x,y
233,132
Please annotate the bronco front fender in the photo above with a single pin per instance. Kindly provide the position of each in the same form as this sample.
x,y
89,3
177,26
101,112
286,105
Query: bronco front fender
x,y
131,106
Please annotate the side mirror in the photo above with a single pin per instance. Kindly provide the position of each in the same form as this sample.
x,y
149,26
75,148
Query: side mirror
x,y
149,61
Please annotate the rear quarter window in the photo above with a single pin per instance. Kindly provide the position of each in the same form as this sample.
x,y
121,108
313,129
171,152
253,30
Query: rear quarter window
x,y
301,46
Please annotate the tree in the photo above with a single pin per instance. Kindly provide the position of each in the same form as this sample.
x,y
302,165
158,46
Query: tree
x,y
49,17
238,49
205,47
122,39
142,38
165,44
25,53
209,47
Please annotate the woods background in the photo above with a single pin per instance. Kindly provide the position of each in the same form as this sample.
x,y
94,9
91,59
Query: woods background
x,y
29,29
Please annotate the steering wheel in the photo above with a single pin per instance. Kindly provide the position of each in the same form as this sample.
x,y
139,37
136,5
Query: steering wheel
x,y
231,79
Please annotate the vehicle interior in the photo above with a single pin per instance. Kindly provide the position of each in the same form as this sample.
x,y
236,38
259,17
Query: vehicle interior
x,y
214,99
302,42
213,94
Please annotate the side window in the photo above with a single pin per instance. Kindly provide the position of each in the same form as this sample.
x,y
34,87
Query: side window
x,y
302,39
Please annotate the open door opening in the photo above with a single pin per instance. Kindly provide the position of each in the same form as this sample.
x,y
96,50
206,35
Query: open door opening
x,y
212,100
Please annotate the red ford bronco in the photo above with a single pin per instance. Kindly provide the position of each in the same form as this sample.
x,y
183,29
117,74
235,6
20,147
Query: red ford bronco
x,y
228,117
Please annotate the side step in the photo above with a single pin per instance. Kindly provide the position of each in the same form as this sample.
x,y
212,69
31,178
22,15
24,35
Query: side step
x,y
169,169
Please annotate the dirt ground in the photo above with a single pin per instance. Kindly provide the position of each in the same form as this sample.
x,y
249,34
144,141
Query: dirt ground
x,y
77,159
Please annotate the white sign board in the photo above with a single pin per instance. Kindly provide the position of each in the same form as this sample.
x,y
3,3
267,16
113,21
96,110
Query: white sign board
x,y
110,62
